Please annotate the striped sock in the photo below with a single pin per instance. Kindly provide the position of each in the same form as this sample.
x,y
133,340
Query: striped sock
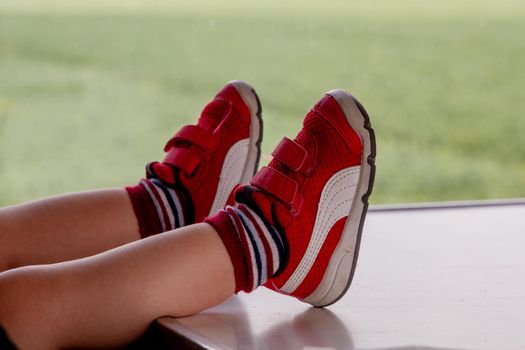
x,y
159,207
257,249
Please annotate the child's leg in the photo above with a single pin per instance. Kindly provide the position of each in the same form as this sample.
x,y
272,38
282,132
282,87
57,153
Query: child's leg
x,y
110,298
65,227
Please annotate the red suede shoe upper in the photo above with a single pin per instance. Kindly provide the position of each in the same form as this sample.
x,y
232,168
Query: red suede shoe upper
x,y
196,153
290,187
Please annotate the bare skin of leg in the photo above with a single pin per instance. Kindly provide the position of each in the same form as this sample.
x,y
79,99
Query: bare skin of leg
x,y
65,227
110,299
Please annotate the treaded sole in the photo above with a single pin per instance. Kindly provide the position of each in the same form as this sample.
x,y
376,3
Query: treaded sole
x,y
335,284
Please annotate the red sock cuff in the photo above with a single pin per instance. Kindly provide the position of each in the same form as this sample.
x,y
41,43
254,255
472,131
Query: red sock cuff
x,y
228,234
144,211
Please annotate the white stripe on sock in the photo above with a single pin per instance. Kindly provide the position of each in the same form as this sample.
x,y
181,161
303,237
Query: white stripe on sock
x,y
180,212
268,236
175,198
259,245
241,231
146,185
171,219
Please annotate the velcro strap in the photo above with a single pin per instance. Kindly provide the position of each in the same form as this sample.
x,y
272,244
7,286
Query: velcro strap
x,y
277,184
183,159
293,156
194,135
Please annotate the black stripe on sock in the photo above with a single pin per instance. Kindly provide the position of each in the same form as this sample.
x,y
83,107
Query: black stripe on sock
x,y
277,239
172,204
255,249
5,342
188,211
277,232
284,255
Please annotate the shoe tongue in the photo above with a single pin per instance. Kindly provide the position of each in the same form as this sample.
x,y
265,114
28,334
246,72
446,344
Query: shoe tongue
x,y
302,139
213,114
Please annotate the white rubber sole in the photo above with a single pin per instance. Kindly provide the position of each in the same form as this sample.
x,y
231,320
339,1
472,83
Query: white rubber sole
x,y
341,267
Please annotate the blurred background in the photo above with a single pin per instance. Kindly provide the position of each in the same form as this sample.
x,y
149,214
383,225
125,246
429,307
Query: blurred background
x,y
90,91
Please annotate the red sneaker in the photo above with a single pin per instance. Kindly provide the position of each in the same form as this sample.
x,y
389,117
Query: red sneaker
x,y
316,191
212,158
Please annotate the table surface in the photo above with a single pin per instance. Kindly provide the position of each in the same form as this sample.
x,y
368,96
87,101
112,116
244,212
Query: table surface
x,y
433,278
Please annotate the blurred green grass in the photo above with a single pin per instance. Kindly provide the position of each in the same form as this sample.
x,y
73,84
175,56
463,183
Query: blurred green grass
x,y
89,95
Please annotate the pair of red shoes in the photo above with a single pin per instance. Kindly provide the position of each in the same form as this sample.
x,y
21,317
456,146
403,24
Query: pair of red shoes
x,y
318,183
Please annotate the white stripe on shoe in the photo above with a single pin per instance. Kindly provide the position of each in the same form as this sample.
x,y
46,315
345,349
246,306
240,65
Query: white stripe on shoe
x,y
334,204
230,175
